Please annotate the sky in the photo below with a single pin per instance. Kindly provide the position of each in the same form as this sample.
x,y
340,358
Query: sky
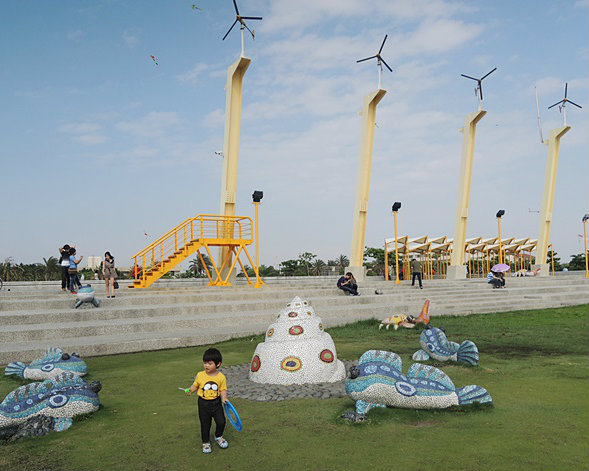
x,y
100,145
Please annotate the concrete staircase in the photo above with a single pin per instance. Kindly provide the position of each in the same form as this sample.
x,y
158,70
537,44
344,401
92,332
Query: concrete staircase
x,y
180,313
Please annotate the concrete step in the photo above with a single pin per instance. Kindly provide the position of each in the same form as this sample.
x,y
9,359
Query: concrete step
x,y
174,314
61,301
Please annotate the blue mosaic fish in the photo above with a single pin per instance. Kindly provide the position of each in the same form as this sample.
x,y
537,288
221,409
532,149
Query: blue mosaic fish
x,y
378,381
52,364
436,345
60,398
86,295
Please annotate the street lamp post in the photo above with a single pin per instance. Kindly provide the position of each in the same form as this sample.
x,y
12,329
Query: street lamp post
x,y
257,198
396,207
585,218
500,213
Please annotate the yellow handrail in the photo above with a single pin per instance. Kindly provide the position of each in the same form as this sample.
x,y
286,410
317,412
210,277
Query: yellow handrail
x,y
213,228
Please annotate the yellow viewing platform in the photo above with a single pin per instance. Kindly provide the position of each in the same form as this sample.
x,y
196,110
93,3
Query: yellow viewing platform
x,y
188,237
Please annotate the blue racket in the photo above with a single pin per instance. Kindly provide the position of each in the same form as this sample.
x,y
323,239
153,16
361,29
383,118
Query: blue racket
x,y
232,416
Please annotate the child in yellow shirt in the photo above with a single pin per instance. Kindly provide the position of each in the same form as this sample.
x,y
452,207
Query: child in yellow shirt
x,y
211,387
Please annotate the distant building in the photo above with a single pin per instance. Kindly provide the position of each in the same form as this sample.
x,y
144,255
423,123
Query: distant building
x,y
93,262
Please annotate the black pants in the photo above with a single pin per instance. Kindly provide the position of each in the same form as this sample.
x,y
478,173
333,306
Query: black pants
x,y
208,410
65,278
418,275
497,282
351,288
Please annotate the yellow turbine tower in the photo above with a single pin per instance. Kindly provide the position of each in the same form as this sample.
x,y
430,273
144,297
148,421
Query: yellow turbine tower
x,y
364,169
553,144
233,89
457,268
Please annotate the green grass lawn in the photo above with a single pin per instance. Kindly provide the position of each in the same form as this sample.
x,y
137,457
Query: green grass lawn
x,y
534,364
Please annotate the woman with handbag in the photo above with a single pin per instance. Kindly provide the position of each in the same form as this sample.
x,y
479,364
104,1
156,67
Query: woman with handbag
x,y
73,271
110,274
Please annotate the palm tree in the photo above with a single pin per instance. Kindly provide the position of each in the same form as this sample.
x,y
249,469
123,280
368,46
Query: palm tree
x,y
7,268
197,267
51,267
343,262
317,267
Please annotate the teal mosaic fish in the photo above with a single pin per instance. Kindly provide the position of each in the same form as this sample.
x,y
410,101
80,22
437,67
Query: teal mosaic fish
x,y
52,364
86,295
435,344
378,381
60,398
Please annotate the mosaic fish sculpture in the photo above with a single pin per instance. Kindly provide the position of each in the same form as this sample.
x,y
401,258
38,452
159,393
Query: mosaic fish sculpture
x,y
86,295
378,381
39,408
52,364
435,344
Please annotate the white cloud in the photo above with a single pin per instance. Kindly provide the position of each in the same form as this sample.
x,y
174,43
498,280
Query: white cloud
x,y
193,74
154,124
75,35
214,119
79,128
90,139
130,39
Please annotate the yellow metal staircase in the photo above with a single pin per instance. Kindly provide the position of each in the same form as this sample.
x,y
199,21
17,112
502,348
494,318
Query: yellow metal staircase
x,y
191,235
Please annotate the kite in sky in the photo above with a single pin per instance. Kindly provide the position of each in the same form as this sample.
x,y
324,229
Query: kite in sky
x,y
194,7
154,59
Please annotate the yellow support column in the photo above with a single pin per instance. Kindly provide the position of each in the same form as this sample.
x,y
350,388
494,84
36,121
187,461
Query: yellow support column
x,y
363,184
548,199
235,74
585,241
457,269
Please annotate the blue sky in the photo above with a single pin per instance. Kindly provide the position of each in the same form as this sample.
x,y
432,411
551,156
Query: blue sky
x,y
100,145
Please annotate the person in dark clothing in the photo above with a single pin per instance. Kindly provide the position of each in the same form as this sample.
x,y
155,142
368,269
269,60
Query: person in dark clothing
x,y
347,283
64,262
496,279
416,272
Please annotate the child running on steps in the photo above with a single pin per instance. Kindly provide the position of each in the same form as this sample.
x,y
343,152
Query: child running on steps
x,y
211,387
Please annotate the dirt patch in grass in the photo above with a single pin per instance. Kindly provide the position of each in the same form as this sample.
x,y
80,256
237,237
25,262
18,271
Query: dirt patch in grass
x,y
423,423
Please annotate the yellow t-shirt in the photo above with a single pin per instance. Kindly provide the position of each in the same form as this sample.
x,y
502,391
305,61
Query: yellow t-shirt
x,y
210,387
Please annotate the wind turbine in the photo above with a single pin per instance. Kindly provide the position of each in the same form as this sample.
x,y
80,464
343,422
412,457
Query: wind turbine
x,y
539,119
379,59
479,88
240,19
562,106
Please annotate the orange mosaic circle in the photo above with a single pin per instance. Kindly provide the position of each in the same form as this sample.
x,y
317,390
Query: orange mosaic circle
x,y
291,364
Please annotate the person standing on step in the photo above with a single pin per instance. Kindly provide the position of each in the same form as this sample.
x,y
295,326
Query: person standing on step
x,y
109,273
64,262
416,272
73,270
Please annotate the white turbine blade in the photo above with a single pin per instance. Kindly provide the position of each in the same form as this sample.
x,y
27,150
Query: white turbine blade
x,y
539,120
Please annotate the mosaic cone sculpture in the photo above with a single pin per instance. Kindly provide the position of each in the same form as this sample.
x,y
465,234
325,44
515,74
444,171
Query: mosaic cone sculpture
x,y
296,350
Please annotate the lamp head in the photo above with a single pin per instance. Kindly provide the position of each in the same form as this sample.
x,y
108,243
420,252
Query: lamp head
x,y
500,213
396,206
257,196
586,217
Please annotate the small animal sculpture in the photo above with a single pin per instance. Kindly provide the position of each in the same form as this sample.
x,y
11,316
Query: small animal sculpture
x,y
38,408
397,320
86,295
435,344
378,381
408,322
52,364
